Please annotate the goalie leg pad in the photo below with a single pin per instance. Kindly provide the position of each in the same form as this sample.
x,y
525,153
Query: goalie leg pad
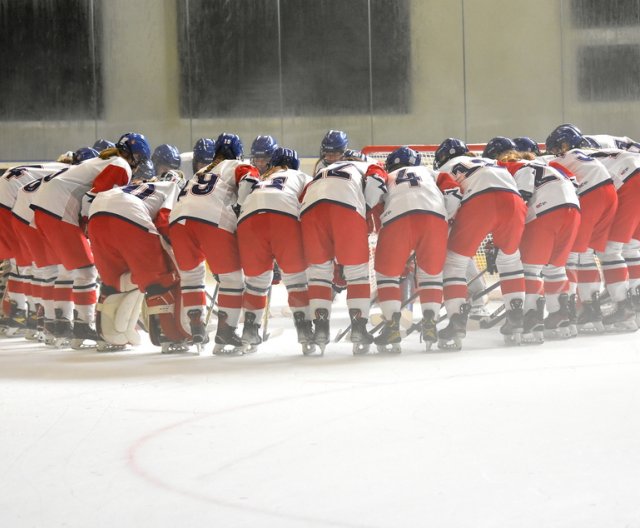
x,y
113,314
163,310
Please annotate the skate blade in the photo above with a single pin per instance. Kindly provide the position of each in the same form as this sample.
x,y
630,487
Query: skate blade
x,y
563,332
513,339
15,332
450,344
392,348
174,348
108,347
533,338
591,328
360,349
79,344
227,351
309,349
250,349
623,327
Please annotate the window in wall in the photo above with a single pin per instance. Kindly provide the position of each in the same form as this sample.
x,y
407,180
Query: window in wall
x,y
605,13
609,73
232,63
50,66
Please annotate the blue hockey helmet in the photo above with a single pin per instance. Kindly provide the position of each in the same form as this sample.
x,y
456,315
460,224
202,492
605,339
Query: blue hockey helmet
x,y
497,146
334,141
135,147
83,154
166,155
450,148
591,142
229,146
203,152
263,147
526,144
145,171
562,136
571,126
285,157
102,144
402,157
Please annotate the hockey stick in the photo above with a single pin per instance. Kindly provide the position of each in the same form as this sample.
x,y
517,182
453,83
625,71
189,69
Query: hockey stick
x,y
413,297
498,315
212,303
265,316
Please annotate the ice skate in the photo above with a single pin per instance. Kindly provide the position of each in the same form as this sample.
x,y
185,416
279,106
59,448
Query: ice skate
x,y
250,333
389,338
83,332
589,319
32,333
428,330
514,323
16,322
634,296
62,331
103,346
533,326
199,335
321,329
305,333
450,337
622,319
557,324
360,336
174,347
227,342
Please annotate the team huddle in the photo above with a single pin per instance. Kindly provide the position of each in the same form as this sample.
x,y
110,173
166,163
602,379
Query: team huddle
x,y
145,229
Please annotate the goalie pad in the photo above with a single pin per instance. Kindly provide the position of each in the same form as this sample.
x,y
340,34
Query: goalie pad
x,y
117,316
163,311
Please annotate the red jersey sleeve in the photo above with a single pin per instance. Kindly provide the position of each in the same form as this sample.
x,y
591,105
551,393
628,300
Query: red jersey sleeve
x,y
110,177
162,222
446,182
242,171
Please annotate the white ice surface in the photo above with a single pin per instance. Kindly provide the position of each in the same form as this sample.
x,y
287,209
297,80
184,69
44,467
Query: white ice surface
x,y
545,436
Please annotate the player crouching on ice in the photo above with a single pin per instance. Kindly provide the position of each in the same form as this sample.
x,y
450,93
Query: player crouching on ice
x,y
125,228
269,230
414,220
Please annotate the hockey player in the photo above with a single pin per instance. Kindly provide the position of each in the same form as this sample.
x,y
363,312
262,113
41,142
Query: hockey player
x,y
103,144
201,156
332,149
334,227
414,220
203,225
83,154
608,141
489,196
268,231
165,158
620,260
125,229
47,273
598,205
16,308
262,149
57,206
551,226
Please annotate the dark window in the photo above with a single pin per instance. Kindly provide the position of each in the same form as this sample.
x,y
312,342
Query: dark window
x,y
49,63
230,63
605,13
609,73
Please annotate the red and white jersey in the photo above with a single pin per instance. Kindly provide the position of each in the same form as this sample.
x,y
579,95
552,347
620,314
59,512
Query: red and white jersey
x,y
61,194
24,198
606,141
137,204
589,172
412,190
478,176
210,195
278,193
16,177
353,184
545,188
621,164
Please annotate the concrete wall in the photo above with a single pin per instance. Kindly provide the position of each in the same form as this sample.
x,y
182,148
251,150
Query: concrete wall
x,y
480,68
